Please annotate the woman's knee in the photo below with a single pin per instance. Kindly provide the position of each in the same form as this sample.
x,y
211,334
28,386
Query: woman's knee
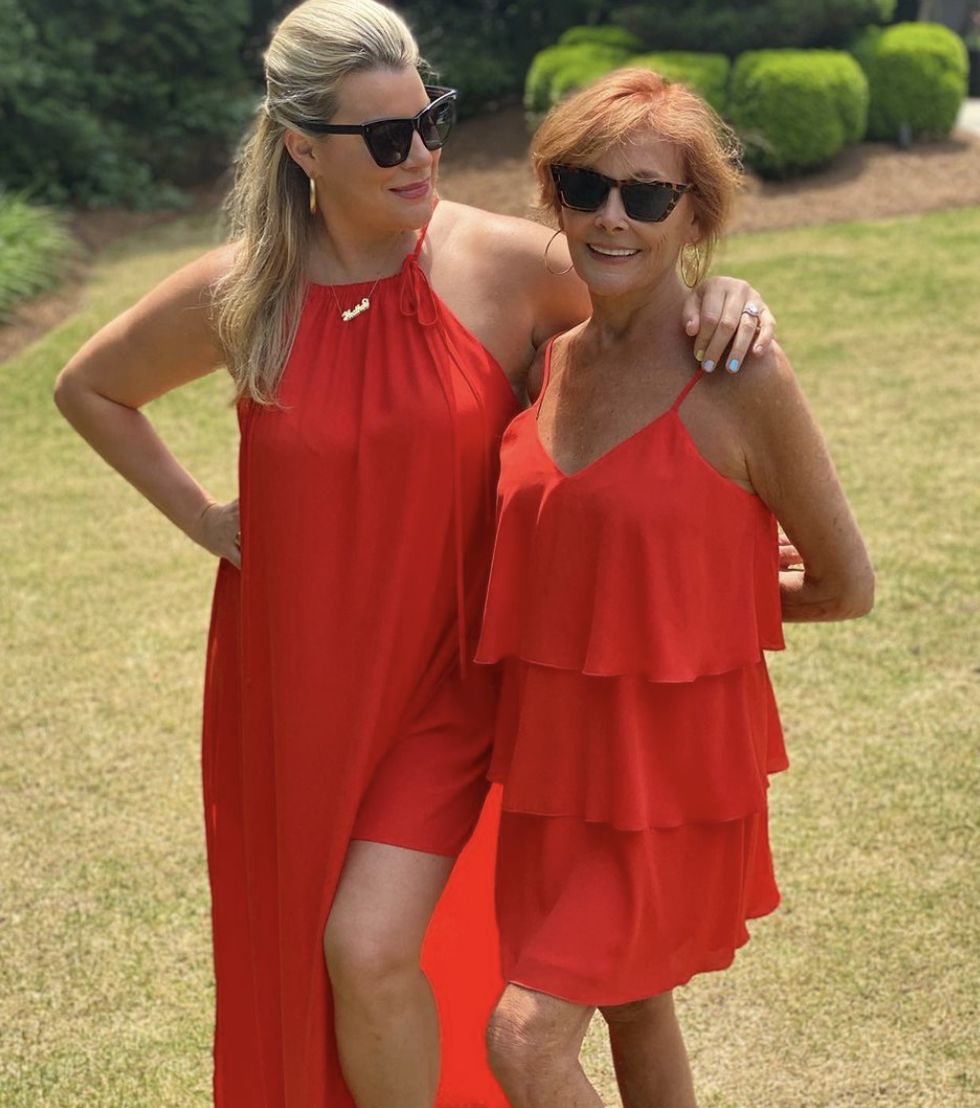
x,y
510,1041
530,1033
369,955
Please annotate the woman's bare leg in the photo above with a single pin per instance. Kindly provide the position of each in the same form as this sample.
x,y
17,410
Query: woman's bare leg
x,y
534,1042
385,1014
652,1069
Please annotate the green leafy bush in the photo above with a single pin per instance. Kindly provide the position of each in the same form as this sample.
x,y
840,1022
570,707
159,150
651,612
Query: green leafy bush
x,y
101,102
582,71
705,74
558,70
34,245
482,80
704,25
484,47
917,73
608,34
795,110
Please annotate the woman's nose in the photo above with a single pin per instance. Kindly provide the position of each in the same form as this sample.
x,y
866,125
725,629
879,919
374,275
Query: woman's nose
x,y
611,212
419,155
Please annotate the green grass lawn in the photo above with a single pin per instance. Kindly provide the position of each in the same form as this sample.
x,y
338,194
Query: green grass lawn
x,y
862,990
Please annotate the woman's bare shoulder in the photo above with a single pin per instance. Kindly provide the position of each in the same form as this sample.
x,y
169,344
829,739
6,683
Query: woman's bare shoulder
x,y
198,279
167,338
182,303
765,384
513,249
512,236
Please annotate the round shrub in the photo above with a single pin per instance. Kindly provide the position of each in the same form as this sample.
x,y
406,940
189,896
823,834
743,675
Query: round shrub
x,y
739,25
705,74
917,73
795,110
607,35
581,72
556,70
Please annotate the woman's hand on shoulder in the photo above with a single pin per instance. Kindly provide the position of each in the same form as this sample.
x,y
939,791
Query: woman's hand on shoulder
x,y
719,316
791,470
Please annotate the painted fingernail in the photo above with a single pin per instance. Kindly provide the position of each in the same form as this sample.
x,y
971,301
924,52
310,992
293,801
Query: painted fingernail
x,y
709,365
699,354
733,366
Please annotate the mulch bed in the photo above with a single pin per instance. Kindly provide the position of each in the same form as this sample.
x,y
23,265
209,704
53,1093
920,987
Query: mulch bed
x,y
486,165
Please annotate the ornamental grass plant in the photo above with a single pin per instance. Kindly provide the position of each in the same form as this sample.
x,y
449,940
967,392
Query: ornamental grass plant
x,y
35,249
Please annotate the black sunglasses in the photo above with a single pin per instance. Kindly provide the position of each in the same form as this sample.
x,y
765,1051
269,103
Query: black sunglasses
x,y
584,190
390,140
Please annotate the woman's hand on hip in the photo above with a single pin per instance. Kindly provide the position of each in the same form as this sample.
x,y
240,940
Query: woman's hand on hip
x,y
219,532
724,312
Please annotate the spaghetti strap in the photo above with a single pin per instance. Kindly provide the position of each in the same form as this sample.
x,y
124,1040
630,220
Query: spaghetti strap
x,y
546,375
418,246
686,389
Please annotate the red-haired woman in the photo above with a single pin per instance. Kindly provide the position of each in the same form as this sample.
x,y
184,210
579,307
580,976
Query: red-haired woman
x,y
635,584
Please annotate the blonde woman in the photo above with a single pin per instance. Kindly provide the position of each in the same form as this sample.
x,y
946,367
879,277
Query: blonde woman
x,y
378,345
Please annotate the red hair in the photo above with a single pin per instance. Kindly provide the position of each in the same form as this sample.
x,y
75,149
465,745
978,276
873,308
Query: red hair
x,y
632,103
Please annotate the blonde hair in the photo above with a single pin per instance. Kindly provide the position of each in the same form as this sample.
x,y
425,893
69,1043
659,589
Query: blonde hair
x,y
259,301
632,102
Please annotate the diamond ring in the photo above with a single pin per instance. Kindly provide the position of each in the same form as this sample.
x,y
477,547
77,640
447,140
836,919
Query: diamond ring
x,y
751,309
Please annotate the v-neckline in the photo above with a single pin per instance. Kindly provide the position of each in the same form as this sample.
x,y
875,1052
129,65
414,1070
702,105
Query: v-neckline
x,y
535,410
564,474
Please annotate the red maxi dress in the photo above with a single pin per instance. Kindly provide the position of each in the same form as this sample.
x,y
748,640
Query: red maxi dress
x,y
629,604
336,702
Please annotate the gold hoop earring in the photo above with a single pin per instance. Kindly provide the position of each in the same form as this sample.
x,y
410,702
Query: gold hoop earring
x,y
690,265
312,197
555,272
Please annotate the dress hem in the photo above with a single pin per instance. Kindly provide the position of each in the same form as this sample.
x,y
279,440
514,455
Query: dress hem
x,y
570,987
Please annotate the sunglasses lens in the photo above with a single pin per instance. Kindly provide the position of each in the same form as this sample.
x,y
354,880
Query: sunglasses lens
x,y
389,140
581,189
436,122
648,202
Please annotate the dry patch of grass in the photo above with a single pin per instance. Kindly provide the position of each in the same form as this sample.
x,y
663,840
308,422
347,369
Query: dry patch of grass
x,y
861,990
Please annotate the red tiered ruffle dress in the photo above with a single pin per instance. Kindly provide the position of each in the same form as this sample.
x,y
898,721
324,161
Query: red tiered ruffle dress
x,y
629,604
334,705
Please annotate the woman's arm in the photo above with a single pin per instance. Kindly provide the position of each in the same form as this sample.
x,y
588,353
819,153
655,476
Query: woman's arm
x,y
789,467
164,341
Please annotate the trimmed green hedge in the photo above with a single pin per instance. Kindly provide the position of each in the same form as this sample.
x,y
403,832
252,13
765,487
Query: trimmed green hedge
x,y
34,243
737,25
558,70
705,74
606,35
795,110
917,73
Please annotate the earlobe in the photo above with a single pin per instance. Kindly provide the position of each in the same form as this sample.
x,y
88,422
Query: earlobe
x,y
300,149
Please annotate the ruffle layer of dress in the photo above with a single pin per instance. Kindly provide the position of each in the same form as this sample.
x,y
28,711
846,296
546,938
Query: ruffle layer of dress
x,y
584,580
634,754
599,917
